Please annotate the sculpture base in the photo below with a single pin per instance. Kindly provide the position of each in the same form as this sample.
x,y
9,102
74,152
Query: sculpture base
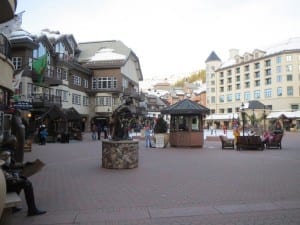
x,y
120,154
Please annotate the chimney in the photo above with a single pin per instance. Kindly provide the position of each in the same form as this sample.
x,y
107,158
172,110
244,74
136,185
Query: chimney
x,y
233,52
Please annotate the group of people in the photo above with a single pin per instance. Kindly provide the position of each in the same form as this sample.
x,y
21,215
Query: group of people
x,y
97,129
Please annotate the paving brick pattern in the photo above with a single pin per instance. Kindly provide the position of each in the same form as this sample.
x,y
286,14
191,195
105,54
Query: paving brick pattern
x,y
170,186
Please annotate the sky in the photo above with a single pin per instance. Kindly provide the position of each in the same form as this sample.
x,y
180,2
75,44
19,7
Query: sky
x,y
171,38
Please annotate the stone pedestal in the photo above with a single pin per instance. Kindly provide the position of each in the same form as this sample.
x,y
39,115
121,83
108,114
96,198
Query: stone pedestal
x,y
120,154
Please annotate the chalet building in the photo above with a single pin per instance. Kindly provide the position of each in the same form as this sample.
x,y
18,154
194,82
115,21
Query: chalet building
x,y
69,85
115,76
7,15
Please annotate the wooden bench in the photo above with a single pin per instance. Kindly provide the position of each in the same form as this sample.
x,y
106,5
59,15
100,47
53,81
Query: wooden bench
x,y
275,142
226,142
249,142
12,200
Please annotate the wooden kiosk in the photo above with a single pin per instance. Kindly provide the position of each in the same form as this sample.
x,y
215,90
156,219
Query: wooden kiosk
x,y
186,127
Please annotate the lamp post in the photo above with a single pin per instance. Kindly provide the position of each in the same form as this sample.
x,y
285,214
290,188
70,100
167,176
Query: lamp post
x,y
243,118
264,117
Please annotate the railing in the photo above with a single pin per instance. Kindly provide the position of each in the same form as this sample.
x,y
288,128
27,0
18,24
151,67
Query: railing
x,y
46,99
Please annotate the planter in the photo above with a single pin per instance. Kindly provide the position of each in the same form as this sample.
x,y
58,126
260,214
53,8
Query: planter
x,y
161,140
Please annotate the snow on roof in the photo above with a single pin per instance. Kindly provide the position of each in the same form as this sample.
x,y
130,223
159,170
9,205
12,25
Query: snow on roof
x,y
105,54
228,116
276,115
290,44
20,34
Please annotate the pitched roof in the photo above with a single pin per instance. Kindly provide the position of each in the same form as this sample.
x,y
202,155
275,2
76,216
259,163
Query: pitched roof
x,y
212,57
185,107
254,105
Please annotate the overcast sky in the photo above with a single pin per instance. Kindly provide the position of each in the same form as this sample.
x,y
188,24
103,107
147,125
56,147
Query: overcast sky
x,y
170,37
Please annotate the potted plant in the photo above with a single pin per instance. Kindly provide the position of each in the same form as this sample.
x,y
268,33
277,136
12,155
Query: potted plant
x,y
160,133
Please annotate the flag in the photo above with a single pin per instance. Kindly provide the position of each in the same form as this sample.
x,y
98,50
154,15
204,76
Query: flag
x,y
17,80
39,66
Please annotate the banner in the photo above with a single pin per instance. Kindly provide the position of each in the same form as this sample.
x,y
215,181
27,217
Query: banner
x,y
39,66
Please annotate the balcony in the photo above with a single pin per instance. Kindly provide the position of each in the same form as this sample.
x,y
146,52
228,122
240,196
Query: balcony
x,y
45,100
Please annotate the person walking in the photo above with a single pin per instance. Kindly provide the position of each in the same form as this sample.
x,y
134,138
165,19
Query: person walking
x,y
93,130
99,129
147,137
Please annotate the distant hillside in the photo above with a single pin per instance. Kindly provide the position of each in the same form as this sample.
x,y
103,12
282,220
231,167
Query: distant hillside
x,y
196,76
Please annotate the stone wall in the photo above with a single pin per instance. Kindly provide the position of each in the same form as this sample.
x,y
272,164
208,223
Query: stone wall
x,y
120,154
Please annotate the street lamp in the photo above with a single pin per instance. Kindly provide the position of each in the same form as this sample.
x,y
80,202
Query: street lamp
x,y
264,117
243,118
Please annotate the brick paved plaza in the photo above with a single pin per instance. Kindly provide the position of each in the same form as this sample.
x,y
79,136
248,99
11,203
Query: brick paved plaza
x,y
171,186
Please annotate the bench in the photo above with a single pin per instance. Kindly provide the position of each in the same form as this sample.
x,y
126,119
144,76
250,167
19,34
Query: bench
x,y
249,142
275,142
226,142
12,200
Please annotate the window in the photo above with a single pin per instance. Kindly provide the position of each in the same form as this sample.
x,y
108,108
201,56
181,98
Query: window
x,y
257,83
221,89
279,78
103,101
64,75
246,68
294,107
268,81
221,82
195,123
268,63
213,99
289,77
288,58
212,82
76,99
229,88
279,91
268,93
247,76
290,91
278,59
17,61
247,84
85,83
278,69
247,96
257,94
104,83
228,72
238,86
94,83
85,100
63,94
213,90
221,98
238,70
76,80
237,96
229,98
257,74
238,78
268,72
289,68
256,66
229,80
